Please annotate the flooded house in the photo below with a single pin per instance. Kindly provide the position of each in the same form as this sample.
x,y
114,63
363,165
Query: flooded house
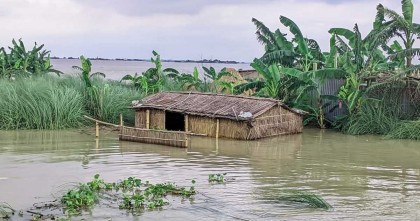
x,y
217,115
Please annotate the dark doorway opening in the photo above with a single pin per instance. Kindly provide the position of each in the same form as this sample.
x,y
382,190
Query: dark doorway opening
x,y
174,121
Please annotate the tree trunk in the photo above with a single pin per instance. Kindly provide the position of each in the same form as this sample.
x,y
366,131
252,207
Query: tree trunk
x,y
409,61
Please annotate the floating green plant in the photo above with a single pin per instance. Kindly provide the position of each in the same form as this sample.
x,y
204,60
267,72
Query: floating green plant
x,y
217,178
307,198
6,211
131,193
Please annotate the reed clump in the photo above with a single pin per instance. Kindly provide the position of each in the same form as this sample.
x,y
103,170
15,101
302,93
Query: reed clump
x,y
405,130
371,119
50,102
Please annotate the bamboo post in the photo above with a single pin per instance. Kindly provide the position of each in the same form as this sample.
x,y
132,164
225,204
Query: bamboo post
x,y
97,143
186,129
217,129
147,119
186,122
315,66
121,123
186,139
97,129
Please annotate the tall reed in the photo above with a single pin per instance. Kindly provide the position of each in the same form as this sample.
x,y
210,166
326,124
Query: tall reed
x,y
51,102
372,119
39,103
405,130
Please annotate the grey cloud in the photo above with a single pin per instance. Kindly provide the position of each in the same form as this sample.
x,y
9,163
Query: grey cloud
x,y
150,7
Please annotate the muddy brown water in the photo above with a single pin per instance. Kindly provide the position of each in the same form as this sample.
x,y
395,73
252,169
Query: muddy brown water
x,y
362,177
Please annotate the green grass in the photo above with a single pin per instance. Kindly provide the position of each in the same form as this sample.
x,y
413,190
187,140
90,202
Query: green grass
x,y
371,119
51,102
405,130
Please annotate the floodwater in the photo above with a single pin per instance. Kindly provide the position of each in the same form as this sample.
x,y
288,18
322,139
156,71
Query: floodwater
x,y
362,177
116,69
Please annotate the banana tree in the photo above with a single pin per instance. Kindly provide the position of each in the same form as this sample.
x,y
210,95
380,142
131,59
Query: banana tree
x,y
402,26
310,97
357,54
22,63
192,82
299,52
157,77
274,84
215,77
86,70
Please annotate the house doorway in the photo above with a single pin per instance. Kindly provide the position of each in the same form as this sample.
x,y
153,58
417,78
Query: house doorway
x,y
174,121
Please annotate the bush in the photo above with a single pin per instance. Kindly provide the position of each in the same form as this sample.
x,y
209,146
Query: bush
x,y
405,130
50,102
371,119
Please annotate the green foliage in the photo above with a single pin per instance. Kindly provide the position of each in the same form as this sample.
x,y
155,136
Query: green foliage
x,y
405,130
51,102
86,69
106,100
153,79
309,199
216,78
22,63
299,51
39,103
217,178
131,193
372,118
391,24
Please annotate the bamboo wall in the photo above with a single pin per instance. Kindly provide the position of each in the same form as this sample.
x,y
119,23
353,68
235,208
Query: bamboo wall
x,y
276,121
233,129
202,125
169,138
157,119
140,121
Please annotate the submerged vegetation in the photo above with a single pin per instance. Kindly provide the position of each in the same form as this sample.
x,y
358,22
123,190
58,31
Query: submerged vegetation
x,y
217,178
305,198
6,211
131,194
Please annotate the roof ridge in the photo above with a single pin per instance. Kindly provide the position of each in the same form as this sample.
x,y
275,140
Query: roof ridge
x,y
226,95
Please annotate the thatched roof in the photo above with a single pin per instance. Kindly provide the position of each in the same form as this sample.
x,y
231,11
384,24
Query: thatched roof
x,y
211,105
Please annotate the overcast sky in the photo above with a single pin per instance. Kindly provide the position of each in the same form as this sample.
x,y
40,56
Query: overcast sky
x,y
177,29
